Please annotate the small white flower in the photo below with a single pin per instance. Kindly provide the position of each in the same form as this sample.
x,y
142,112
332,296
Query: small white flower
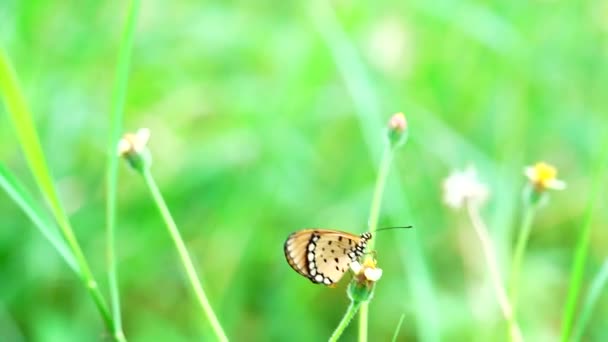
x,y
544,177
367,272
373,274
355,266
461,186
134,143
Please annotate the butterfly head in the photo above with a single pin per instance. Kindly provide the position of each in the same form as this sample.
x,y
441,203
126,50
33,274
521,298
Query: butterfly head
x,y
360,247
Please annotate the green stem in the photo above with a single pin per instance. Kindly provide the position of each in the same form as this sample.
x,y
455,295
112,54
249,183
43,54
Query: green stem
x,y
118,104
490,255
374,213
348,316
21,118
520,249
184,256
385,164
363,319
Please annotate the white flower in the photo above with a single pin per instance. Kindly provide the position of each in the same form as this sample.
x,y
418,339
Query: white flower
x,y
133,143
461,186
544,177
356,267
366,272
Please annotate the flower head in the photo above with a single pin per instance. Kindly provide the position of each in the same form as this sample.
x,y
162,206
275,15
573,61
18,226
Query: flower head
x,y
365,276
368,272
543,176
133,142
461,186
133,147
397,129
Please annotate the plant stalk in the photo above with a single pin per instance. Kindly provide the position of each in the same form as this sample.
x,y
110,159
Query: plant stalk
x,y
116,118
348,316
520,250
184,256
385,164
490,256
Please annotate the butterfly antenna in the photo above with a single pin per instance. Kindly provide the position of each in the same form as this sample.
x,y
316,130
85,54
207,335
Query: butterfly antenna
x,y
398,227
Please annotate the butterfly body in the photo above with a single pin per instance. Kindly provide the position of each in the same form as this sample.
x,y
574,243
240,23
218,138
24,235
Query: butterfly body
x,y
324,255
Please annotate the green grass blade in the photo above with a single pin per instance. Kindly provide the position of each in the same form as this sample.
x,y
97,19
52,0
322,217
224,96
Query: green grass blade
x,y
116,118
582,248
17,192
597,286
26,132
21,119
396,333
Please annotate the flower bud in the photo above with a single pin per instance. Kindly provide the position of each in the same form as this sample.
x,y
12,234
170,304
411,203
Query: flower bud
x,y
133,147
397,130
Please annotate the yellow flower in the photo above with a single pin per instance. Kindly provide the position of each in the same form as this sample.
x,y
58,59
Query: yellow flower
x,y
361,288
544,177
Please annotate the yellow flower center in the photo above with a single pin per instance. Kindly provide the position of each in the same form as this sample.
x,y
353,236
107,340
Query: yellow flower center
x,y
369,263
544,173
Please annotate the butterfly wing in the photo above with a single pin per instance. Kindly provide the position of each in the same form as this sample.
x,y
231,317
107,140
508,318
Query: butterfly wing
x,y
296,248
323,255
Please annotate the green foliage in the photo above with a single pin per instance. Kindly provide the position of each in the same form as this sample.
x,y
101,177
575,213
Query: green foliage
x,y
268,117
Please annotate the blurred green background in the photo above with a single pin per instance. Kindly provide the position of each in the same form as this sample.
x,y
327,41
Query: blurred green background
x,y
267,117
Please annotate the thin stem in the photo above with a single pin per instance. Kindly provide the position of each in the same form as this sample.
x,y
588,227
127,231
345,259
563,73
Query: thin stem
x,y
385,164
363,319
118,104
396,333
184,256
348,316
490,256
520,250
374,213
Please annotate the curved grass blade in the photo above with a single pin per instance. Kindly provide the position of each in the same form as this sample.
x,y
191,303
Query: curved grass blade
x,y
17,192
597,286
582,248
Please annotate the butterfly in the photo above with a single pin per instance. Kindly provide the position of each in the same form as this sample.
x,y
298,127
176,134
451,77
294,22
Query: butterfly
x,y
324,255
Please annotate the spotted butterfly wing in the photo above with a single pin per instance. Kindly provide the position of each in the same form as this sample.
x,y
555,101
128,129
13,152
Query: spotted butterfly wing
x,y
323,255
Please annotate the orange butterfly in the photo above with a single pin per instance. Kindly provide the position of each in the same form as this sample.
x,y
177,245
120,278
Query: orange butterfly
x,y
324,255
